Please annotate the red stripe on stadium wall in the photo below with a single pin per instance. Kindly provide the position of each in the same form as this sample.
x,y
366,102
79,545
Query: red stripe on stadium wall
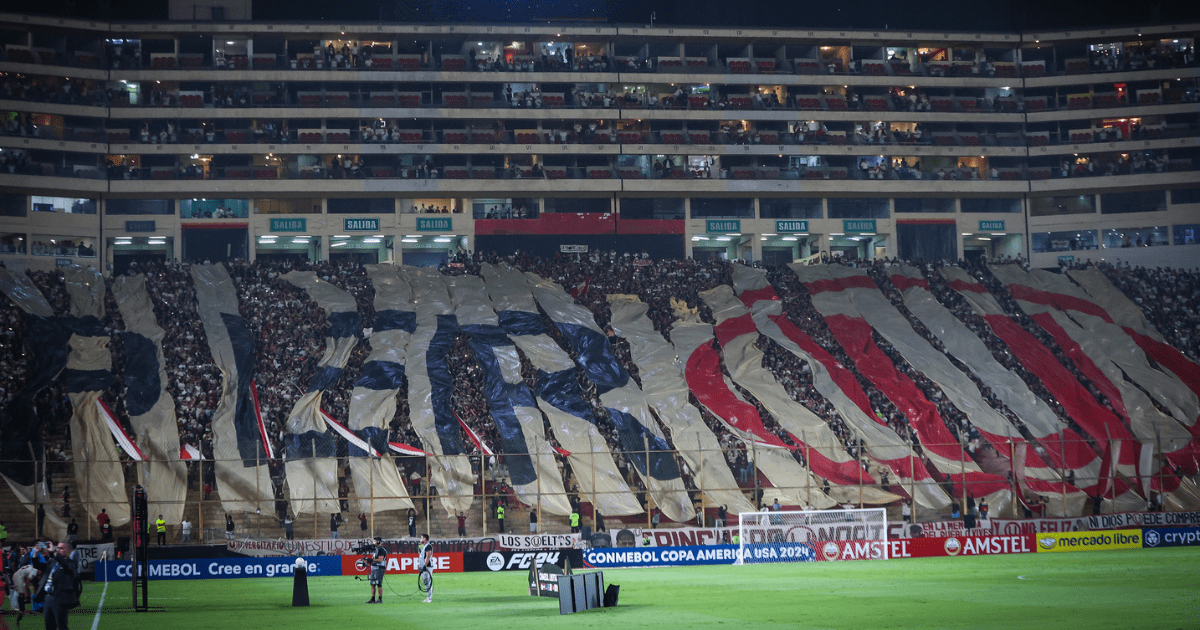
x,y
649,226
551,223
578,223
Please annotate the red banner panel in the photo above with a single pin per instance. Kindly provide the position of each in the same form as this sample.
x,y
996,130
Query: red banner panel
x,y
961,546
553,223
399,563
850,549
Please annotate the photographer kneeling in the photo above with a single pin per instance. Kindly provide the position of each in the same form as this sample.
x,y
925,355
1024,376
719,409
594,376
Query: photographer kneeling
x,y
378,566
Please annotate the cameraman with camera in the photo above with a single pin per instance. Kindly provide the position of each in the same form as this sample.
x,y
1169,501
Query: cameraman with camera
x,y
59,590
378,564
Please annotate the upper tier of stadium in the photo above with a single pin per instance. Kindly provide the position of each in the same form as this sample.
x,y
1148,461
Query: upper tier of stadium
x,y
191,139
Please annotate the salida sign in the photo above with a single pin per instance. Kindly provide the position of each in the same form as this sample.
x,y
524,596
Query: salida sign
x,y
401,563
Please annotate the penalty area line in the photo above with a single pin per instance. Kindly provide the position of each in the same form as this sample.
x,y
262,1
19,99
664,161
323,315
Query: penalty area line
x,y
99,607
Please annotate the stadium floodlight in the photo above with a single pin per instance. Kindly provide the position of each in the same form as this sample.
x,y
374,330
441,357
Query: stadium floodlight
x,y
807,535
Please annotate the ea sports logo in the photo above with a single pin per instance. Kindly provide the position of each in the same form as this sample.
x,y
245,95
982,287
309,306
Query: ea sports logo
x,y
361,564
1151,538
831,550
495,561
952,546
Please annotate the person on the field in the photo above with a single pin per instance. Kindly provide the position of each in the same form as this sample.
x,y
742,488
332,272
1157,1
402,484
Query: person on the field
x,y
378,566
425,564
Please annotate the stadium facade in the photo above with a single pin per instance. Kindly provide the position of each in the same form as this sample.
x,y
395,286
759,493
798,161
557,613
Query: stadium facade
x,y
193,140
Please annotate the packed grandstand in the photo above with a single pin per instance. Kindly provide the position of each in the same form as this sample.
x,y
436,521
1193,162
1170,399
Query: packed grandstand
x,y
419,276
614,383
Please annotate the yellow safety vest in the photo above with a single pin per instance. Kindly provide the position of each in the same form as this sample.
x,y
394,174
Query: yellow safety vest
x,y
499,511
574,519
162,525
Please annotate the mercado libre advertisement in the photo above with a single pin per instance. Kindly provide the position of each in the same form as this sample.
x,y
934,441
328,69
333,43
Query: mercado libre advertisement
x,y
1089,541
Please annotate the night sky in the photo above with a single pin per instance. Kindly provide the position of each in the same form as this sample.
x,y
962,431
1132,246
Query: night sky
x,y
973,15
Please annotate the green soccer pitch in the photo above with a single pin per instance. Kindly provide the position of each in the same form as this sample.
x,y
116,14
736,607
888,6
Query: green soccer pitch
x,y
1094,590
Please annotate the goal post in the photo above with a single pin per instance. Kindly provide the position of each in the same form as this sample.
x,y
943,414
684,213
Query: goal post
x,y
807,535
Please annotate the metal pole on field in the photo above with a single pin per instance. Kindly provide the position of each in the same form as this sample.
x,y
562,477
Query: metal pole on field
x,y
1112,466
1062,453
538,508
483,492
371,462
754,455
646,478
592,454
316,523
808,480
860,482
700,480
962,468
912,485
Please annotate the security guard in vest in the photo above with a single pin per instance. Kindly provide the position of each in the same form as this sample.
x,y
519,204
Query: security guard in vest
x,y
500,517
162,530
574,521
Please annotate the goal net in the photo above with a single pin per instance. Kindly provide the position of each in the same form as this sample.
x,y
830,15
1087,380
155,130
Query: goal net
x,y
804,536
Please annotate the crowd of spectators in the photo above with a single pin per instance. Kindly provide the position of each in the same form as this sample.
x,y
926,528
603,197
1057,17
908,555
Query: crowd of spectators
x,y
66,91
1169,299
1135,163
290,329
1148,56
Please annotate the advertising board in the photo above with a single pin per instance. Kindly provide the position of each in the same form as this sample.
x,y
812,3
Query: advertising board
x,y
1089,541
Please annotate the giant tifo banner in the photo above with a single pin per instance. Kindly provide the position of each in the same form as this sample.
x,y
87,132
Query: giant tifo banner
x,y
219,568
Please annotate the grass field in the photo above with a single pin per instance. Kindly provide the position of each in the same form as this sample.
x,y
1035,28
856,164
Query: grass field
x,y
1154,588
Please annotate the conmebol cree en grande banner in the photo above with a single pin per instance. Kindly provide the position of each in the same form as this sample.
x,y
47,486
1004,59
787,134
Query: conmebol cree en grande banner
x,y
220,568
